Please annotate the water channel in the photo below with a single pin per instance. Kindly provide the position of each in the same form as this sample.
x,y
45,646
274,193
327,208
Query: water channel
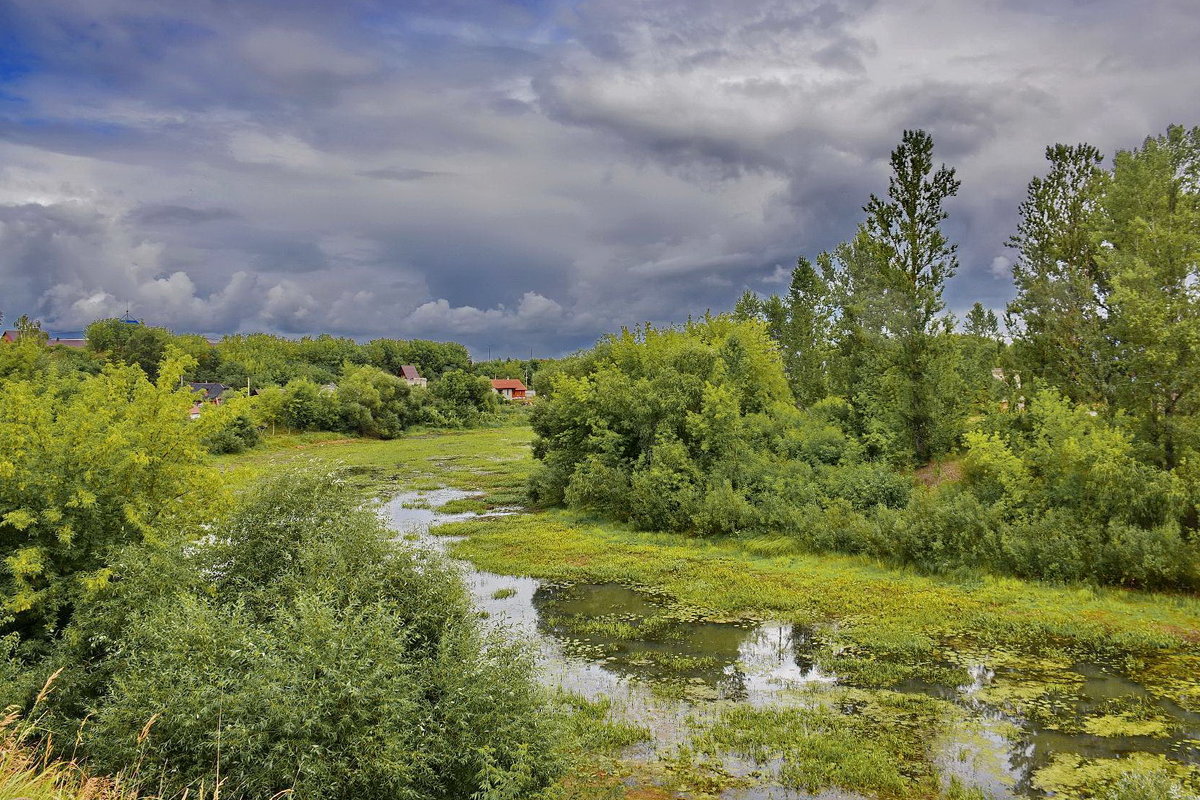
x,y
611,641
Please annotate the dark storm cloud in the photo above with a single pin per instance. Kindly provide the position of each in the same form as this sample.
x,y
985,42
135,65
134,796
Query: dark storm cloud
x,y
524,174
178,215
396,174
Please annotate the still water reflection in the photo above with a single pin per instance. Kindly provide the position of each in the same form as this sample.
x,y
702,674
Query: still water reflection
x,y
662,670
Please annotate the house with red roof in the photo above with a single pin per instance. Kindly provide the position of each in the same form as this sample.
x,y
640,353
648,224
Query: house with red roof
x,y
412,377
509,388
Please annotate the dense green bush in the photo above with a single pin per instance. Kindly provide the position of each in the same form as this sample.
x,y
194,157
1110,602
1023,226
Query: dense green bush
x,y
266,360
691,430
674,415
86,467
235,435
367,401
300,648
865,486
460,398
1071,501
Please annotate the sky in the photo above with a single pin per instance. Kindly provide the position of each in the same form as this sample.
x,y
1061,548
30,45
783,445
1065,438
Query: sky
x,y
525,176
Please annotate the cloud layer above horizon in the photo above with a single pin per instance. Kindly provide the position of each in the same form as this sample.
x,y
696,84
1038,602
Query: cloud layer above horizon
x,y
525,175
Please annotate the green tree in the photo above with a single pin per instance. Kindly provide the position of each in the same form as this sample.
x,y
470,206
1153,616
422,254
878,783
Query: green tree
x,y
982,348
890,281
461,397
140,345
85,469
1152,255
806,339
663,426
1058,319
375,403
28,356
799,322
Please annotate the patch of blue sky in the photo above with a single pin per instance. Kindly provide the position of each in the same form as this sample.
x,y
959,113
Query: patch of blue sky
x,y
16,60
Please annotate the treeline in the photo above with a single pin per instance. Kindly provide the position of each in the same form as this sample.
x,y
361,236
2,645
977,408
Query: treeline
x,y
157,627
323,383
1069,453
261,359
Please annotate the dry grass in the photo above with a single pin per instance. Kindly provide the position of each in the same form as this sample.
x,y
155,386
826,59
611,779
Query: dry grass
x,y
28,771
939,472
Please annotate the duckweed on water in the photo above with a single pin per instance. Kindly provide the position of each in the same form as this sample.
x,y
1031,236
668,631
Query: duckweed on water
x,y
898,615
1129,723
868,742
1074,778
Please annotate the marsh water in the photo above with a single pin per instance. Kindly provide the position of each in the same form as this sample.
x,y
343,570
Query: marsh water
x,y
669,673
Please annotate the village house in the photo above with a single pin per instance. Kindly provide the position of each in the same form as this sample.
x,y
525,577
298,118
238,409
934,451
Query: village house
x,y
509,388
61,341
211,393
412,377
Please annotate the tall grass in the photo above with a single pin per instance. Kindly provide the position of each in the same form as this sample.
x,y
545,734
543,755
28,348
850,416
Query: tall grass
x,y
31,770
28,771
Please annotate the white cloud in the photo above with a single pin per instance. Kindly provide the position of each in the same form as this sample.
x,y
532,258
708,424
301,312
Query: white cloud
x,y
781,276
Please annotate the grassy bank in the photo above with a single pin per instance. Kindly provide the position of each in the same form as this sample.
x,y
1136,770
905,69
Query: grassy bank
x,y
493,460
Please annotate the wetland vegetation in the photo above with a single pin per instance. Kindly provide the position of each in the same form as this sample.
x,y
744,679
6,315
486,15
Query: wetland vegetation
x,y
830,545
737,666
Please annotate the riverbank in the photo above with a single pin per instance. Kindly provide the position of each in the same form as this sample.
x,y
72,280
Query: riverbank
x,y
1090,683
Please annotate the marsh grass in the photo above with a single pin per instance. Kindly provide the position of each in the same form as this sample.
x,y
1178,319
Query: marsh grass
x,y
464,459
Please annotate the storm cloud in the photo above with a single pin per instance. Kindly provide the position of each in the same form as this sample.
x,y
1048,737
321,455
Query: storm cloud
x,y
525,175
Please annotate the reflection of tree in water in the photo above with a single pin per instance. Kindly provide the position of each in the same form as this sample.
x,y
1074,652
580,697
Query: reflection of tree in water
x,y
1024,759
629,633
804,646
733,685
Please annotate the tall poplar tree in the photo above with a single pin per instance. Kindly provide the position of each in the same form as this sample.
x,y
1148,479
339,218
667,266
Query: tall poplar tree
x,y
806,341
799,323
890,283
1059,317
982,347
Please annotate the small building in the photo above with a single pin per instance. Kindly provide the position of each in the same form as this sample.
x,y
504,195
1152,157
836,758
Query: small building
x,y
212,393
412,377
76,343
509,388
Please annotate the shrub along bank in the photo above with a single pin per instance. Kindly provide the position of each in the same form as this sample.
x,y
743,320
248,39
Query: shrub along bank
x,y
693,430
